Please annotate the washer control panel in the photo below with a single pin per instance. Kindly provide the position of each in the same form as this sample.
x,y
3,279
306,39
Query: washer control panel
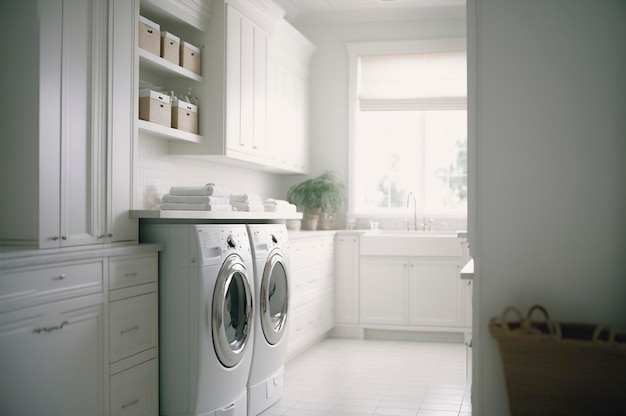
x,y
220,241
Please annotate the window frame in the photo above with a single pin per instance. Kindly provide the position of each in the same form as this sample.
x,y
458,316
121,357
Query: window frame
x,y
355,50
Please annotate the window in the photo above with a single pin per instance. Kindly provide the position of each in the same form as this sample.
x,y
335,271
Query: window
x,y
408,127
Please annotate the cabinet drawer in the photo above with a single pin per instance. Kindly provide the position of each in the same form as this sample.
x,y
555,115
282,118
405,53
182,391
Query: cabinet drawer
x,y
135,391
34,285
132,270
133,325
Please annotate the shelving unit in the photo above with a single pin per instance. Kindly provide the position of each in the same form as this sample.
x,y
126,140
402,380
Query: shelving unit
x,y
188,20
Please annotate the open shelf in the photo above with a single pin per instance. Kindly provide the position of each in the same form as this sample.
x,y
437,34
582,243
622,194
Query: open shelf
x,y
167,132
160,66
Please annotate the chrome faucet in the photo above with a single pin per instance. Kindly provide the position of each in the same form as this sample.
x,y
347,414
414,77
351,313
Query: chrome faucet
x,y
408,202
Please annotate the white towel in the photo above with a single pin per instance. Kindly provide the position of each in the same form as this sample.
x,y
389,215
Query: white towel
x,y
245,198
210,189
276,202
173,206
248,206
195,199
280,208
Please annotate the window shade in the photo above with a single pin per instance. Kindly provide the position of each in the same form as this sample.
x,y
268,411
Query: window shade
x,y
424,81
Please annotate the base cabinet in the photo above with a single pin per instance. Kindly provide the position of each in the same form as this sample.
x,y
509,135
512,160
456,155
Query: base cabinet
x,y
79,332
133,335
311,305
414,292
346,279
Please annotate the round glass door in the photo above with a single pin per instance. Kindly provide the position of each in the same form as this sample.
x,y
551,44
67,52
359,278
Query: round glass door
x,y
274,299
231,312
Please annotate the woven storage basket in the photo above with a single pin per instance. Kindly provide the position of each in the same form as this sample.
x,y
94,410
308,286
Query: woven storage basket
x,y
555,368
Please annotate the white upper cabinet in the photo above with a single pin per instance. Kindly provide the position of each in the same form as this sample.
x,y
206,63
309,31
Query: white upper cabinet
x,y
255,93
57,186
289,56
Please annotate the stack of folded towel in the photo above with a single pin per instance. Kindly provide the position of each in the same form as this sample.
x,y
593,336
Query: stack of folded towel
x,y
247,202
278,205
209,197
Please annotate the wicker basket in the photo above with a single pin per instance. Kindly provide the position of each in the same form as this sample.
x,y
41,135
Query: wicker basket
x,y
555,368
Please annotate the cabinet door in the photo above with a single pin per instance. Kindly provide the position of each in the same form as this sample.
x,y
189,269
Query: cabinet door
x,y
384,290
122,106
246,84
51,359
347,279
436,293
73,45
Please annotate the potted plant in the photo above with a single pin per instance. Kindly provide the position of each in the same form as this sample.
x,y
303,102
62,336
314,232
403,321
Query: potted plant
x,y
320,198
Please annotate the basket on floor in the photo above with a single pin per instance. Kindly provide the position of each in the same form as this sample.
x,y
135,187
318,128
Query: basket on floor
x,y
554,368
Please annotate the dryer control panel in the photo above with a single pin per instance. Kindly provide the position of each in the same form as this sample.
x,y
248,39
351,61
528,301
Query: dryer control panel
x,y
220,241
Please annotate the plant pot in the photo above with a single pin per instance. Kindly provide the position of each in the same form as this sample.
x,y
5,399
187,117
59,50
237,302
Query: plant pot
x,y
327,221
311,219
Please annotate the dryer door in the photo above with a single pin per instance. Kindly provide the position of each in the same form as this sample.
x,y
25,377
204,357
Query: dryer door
x,y
274,298
231,320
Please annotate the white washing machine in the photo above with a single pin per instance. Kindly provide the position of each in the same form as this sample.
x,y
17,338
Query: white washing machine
x,y
206,290
270,252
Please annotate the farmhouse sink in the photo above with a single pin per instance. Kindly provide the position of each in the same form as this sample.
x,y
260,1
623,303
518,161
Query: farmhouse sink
x,y
411,243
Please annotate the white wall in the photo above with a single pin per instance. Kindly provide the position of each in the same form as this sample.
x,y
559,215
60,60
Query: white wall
x,y
329,78
547,163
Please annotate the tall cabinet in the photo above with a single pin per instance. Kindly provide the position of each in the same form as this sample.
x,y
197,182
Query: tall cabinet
x,y
58,190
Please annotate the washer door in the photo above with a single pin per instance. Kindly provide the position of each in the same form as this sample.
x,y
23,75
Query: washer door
x,y
231,321
274,298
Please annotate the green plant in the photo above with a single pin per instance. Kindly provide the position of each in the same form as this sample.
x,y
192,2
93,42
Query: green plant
x,y
325,193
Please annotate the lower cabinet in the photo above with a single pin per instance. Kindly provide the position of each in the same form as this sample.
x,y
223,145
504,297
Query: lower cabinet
x,y
311,304
79,332
133,335
411,291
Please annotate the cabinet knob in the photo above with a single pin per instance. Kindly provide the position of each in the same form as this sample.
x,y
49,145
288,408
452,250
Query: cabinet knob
x,y
55,238
60,277
63,238
109,235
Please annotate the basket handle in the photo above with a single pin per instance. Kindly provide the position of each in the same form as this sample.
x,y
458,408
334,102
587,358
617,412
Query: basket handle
x,y
553,326
599,330
505,312
540,308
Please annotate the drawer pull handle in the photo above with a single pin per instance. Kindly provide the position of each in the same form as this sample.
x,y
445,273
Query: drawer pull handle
x,y
133,274
131,403
127,330
50,328
60,277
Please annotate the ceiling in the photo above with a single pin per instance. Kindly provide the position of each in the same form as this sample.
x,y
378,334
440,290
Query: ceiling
x,y
322,11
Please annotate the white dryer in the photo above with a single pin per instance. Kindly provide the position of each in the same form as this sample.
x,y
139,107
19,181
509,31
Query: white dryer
x,y
205,317
270,252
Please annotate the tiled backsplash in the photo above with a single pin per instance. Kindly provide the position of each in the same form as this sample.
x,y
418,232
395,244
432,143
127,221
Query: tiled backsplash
x,y
156,172
437,224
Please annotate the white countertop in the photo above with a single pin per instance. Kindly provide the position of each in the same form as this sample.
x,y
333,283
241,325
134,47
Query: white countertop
x,y
215,215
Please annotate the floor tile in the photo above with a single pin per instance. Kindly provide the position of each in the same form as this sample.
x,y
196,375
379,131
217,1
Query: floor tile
x,y
347,377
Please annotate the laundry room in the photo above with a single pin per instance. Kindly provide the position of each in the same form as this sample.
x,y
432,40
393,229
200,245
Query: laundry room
x,y
300,207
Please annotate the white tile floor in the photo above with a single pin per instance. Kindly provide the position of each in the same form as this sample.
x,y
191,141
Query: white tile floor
x,y
370,377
